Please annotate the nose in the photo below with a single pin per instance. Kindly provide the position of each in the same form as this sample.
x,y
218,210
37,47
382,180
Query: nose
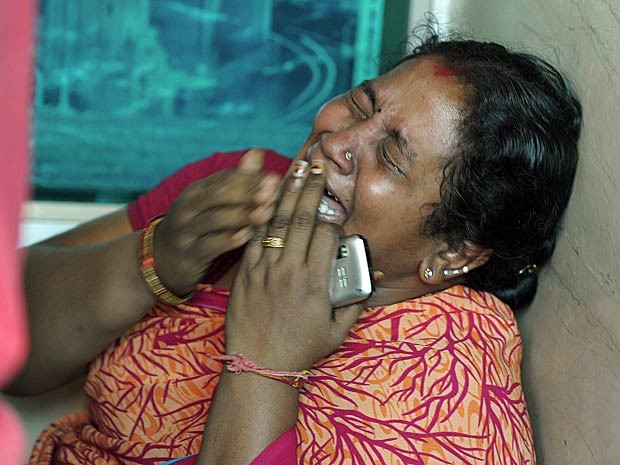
x,y
338,148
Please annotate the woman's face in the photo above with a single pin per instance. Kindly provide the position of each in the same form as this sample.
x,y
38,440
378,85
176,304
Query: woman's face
x,y
385,144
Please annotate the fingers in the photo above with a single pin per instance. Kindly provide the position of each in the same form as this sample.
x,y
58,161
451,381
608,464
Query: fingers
x,y
245,185
268,189
253,250
293,188
217,243
229,218
303,219
227,188
294,218
219,208
265,193
324,247
294,222
251,162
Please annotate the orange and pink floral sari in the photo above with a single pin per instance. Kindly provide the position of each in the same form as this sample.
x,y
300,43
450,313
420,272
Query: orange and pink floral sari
x,y
434,381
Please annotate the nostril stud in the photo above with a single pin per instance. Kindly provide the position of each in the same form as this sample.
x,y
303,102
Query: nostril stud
x,y
348,155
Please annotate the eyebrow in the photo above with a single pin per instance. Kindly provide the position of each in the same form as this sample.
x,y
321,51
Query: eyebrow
x,y
369,90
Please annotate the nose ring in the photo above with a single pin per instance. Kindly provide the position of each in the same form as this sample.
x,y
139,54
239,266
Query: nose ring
x,y
348,155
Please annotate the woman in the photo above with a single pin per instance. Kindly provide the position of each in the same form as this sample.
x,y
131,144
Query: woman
x,y
456,165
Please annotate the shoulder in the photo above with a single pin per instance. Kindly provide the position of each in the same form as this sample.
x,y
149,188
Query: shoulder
x,y
446,362
431,312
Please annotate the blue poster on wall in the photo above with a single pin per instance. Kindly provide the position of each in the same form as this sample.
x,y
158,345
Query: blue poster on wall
x,y
128,91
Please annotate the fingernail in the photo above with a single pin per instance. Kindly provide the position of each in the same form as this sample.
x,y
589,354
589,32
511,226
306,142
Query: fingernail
x,y
300,168
318,166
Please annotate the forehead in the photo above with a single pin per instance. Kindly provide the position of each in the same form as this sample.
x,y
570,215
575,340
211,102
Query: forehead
x,y
424,102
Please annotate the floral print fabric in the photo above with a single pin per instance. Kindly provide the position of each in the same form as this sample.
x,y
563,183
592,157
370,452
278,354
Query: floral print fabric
x,y
434,380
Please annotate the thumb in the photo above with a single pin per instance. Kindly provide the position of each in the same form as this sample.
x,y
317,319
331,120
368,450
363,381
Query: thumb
x,y
344,319
251,162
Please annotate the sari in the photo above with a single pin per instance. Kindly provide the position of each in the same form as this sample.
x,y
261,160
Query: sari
x,y
433,380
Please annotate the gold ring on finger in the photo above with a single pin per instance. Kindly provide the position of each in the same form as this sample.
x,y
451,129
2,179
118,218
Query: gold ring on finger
x,y
273,242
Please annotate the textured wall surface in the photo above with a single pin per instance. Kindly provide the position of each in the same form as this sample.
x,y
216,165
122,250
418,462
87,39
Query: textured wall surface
x,y
572,331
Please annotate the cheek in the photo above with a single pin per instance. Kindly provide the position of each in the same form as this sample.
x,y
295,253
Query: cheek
x,y
382,199
384,213
390,217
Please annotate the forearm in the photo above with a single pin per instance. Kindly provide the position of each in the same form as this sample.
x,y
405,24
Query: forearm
x,y
248,413
79,300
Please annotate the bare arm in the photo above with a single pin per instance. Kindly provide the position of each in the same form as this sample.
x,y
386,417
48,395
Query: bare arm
x,y
248,413
83,289
279,316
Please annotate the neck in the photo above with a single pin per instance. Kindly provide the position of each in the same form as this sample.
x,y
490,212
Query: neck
x,y
386,294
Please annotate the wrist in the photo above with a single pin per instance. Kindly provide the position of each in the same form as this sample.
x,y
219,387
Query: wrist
x,y
266,403
247,383
122,297
147,268
247,414
237,363
268,353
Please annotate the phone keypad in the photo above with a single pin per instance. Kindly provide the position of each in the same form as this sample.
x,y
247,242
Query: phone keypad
x,y
342,276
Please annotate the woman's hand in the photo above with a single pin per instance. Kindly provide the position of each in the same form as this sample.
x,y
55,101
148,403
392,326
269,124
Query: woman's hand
x,y
279,314
212,216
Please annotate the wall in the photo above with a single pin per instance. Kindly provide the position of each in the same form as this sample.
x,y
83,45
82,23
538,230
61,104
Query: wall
x,y
572,331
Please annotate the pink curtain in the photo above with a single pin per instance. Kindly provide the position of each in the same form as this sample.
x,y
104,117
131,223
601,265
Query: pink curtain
x,y
16,24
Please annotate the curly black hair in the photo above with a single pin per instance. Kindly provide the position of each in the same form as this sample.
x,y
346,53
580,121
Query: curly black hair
x,y
511,177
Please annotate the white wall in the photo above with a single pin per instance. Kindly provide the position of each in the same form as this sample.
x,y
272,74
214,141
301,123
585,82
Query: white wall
x,y
45,219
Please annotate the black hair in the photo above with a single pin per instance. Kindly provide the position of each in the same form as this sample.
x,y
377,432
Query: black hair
x,y
511,176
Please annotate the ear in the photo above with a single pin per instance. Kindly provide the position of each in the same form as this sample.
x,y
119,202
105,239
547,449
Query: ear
x,y
446,264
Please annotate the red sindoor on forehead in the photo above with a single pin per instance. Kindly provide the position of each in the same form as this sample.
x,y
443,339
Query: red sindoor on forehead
x,y
442,70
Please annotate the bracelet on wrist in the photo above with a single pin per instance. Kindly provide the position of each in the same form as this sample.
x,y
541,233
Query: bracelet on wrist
x,y
148,268
237,364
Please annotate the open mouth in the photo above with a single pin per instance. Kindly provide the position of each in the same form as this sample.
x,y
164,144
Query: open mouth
x,y
330,209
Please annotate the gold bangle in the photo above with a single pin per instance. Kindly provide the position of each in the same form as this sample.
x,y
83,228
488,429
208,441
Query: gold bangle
x,y
148,268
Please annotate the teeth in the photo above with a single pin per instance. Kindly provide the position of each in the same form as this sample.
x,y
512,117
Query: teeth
x,y
331,195
323,208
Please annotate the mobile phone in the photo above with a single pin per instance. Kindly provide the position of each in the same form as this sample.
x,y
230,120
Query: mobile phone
x,y
351,279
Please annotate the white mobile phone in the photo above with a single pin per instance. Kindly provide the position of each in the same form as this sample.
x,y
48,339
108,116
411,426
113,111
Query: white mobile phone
x,y
351,279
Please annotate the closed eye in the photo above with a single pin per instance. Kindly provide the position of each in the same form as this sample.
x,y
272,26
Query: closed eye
x,y
357,107
388,160
388,147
